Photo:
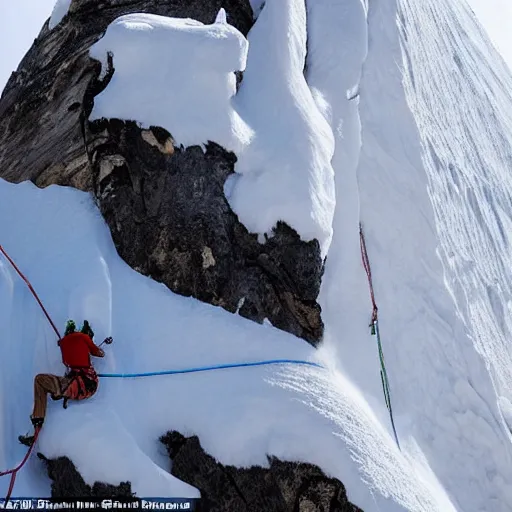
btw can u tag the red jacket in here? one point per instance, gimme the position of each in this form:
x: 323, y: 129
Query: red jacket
x: 76, y: 349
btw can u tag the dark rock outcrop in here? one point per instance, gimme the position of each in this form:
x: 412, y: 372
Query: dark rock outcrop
x: 282, y: 487
x: 170, y: 220
x: 165, y: 206
x: 68, y: 483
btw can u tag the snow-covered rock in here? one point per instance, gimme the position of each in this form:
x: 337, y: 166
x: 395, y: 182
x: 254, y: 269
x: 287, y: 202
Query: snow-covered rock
x: 156, y: 186
x: 395, y: 114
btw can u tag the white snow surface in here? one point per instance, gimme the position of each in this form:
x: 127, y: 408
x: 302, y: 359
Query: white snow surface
x: 175, y: 73
x: 285, y: 174
x: 58, y: 238
x: 424, y: 168
x: 401, y: 119
x: 60, y: 9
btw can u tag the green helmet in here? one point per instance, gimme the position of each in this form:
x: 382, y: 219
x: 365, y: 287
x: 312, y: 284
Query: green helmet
x: 70, y: 327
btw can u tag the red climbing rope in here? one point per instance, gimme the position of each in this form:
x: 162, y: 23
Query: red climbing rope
x: 32, y: 290
x: 14, y: 472
x: 366, y: 264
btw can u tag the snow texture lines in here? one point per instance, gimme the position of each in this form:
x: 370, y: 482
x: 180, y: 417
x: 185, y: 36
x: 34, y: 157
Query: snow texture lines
x: 459, y: 91
x: 467, y: 138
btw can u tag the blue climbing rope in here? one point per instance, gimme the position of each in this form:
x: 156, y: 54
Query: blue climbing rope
x: 208, y: 368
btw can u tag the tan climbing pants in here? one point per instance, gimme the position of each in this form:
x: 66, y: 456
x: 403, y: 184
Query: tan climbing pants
x: 44, y: 384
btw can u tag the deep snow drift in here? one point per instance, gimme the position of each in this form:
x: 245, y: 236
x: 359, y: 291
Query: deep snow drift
x: 285, y: 173
x: 410, y: 105
x: 175, y: 73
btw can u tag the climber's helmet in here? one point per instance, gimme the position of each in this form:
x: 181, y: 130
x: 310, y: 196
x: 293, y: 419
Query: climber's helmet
x: 70, y: 327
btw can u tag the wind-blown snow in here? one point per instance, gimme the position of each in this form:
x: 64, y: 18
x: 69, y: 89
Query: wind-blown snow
x: 60, y: 9
x: 411, y: 201
x: 58, y: 238
x: 467, y: 148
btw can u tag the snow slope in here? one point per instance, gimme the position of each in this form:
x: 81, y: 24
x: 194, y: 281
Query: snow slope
x: 409, y: 104
x: 468, y: 166
x: 430, y: 182
x: 296, y: 413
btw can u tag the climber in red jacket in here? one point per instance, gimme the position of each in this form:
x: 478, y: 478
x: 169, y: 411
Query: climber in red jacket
x: 80, y: 381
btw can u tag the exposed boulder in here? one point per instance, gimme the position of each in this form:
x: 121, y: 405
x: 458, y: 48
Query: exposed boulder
x: 282, y: 487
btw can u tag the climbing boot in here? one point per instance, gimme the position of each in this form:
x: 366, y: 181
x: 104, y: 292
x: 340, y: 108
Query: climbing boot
x: 29, y: 440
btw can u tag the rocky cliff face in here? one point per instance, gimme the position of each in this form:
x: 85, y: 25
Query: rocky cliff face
x: 170, y: 220
x: 165, y: 206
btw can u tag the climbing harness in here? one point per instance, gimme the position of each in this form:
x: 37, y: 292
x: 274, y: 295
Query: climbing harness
x: 374, y: 325
x: 31, y: 289
x: 14, y: 472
